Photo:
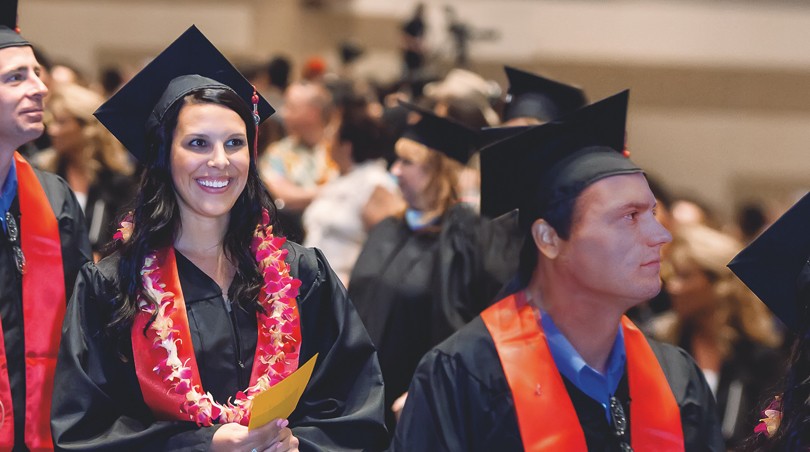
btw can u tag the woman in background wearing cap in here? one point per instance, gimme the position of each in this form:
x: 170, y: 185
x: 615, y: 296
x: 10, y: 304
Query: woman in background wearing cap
x: 716, y: 319
x: 776, y: 267
x: 200, y: 308
x: 421, y: 275
x: 88, y: 157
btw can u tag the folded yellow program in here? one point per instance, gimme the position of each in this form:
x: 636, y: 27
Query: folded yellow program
x: 280, y: 400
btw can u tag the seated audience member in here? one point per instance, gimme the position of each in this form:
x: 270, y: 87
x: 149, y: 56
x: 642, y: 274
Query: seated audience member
x: 334, y: 220
x: 295, y: 167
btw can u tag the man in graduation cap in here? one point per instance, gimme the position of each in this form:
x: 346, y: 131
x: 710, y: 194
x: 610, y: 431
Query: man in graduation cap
x: 776, y: 267
x: 556, y: 366
x: 532, y: 100
x: 43, y: 242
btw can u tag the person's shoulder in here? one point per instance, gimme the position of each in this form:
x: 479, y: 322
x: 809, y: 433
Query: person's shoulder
x: 53, y: 184
x: 682, y: 372
x: 308, y: 265
x: 101, y: 278
x: 471, y: 352
x: 108, y: 266
x: 387, y: 226
x: 471, y: 339
x: 59, y: 195
x: 670, y: 355
x: 462, y: 212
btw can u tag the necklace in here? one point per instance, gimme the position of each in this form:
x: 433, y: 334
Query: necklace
x: 279, y: 336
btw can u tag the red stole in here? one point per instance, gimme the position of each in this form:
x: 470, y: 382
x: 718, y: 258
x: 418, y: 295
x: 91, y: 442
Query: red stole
x: 43, y: 295
x: 546, y: 416
x: 165, y: 404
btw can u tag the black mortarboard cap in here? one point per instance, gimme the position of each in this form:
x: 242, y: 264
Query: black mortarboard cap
x: 491, y: 135
x: 191, y: 62
x: 538, y: 97
x: 775, y: 265
x: 451, y: 138
x: 555, y: 161
x: 8, y: 26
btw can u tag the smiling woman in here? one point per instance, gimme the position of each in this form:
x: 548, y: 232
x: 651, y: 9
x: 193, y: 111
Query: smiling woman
x: 210, y: 159
x: 201, y: 307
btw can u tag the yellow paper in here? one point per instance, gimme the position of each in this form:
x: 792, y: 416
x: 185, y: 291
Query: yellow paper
x: 280, y: 400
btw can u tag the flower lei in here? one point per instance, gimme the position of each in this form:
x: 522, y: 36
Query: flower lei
x: 278, y: 323
x: 773, y: 417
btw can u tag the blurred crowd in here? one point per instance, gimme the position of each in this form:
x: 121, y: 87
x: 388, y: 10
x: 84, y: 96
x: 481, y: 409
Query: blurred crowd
x: 334, y: 162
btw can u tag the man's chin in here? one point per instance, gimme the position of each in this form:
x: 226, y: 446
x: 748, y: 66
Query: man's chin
x: 33, y: 132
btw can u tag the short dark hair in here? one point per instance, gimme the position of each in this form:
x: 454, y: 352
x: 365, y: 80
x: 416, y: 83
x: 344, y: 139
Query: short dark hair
x: 278, y: 70
x: 365, y: 133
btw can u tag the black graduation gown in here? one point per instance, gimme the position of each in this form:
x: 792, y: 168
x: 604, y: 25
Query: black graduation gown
x: 106, y: 199
x: 75, y: 252
x: 459, y: 400
x: 99, y: 406
x: 413, y: 289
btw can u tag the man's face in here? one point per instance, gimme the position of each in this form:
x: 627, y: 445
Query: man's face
x: 300, y: 111
x: 21, y: 96
x: 614, y: 251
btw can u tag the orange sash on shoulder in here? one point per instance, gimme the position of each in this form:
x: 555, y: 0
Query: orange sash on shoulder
x: 163, y: 403
x: 43, y: 301
x: 546, y: 416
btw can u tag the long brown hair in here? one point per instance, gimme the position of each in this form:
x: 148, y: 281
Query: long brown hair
x: 743, y: 315
x: 100, y: 150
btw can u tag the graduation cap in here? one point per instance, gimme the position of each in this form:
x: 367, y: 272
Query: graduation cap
x: 775, y: 265
x: 190, y: 63
x: 491, y: 135
x: 451, y: 138
x: 9, y: 35
x: 538, y: 97
x: 555, y: 161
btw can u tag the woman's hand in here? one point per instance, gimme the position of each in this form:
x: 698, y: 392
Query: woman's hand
x: 273, y: 436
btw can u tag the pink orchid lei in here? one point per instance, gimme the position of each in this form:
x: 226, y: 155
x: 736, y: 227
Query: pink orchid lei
x: 773, y: 417
x: 279, y: 323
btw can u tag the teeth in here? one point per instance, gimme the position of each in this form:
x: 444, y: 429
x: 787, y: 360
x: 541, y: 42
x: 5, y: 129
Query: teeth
x: 213, y: 183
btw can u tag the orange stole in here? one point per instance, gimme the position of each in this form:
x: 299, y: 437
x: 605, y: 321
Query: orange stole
x: 546, y: 416
x: 164, y: 403
x: 44, y: 304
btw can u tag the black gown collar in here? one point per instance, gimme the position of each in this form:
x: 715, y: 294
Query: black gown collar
x: 196, y: 285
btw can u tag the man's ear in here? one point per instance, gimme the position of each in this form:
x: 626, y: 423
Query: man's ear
x: 546, y: 238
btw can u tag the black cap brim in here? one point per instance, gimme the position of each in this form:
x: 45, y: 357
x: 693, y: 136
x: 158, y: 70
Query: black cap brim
x: 534, y: 96
x: 451, y: 138
x: 540, y: 165
x: 491, y: 135
x: 771, y: 265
